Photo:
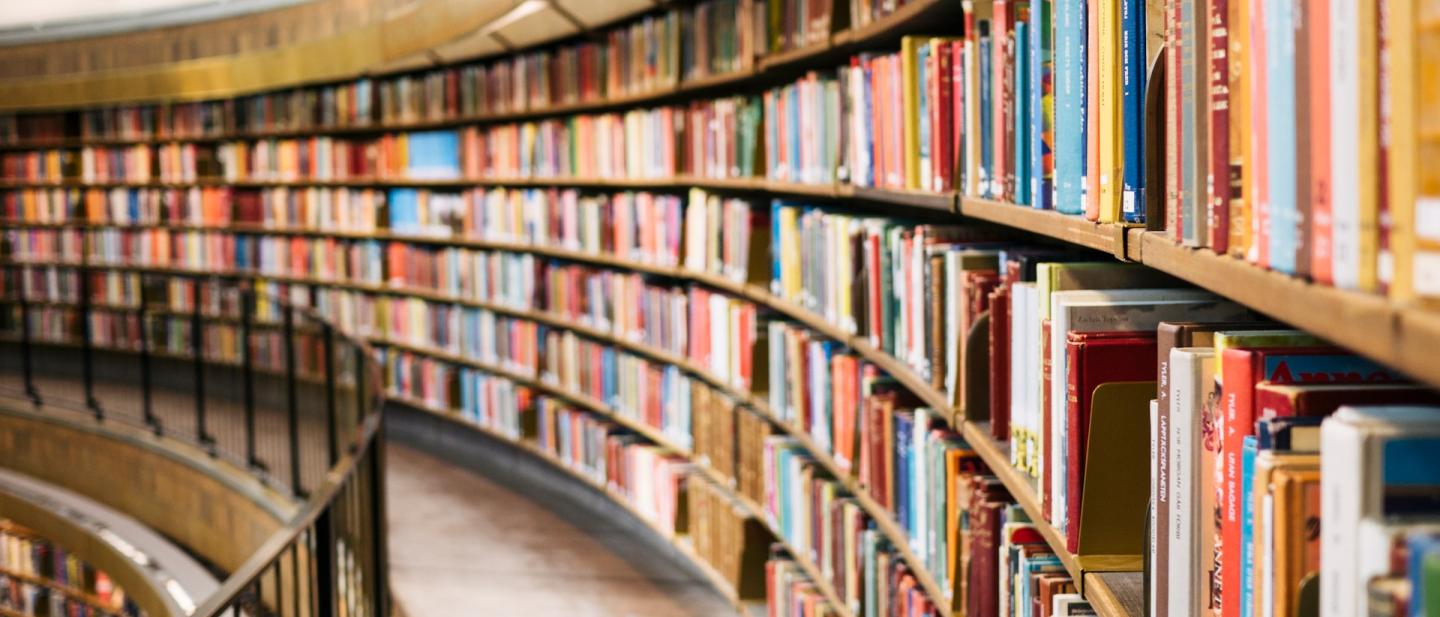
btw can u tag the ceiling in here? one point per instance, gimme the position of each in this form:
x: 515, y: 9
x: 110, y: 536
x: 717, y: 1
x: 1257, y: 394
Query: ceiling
x: 30, y: 21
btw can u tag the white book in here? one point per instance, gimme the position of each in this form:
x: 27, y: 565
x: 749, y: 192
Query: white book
x: 1018, y: 416
x: 1192, y: 369
x: 1151, y: 542
x: 1355, y: 445
x: 1034, y: 382
x: 1111, y: 310
x: 1345, y: 142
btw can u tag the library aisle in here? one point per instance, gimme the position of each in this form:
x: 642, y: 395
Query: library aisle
x: 461, y: 544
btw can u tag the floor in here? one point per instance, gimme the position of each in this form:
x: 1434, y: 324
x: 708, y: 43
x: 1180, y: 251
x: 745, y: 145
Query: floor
x: 461, y: 544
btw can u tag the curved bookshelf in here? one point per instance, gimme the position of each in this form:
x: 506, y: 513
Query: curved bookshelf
x: 1401, y: 336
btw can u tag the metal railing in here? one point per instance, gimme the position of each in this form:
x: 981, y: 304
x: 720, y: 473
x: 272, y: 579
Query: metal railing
x: 270, y: 387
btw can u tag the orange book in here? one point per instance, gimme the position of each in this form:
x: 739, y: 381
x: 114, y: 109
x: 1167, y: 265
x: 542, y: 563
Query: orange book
x: 1320, y: 222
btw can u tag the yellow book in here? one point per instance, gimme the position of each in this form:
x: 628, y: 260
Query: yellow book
x: 1111, y: 126
x: 1414, y: 64
x: 1369, y: 121
x: 1238, y: 55
x: 843, y: 267
x: 910, y: 96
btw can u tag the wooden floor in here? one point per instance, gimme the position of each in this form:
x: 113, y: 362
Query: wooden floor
x: 461, y: 544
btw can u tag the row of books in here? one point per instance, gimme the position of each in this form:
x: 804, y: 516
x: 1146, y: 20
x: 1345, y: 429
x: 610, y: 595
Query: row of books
x: 639, y: 226
x: 28, y: 599
x: 40, y: 577
x: 651, y: 53
x: 1295, y: 139
x: 121, y: 206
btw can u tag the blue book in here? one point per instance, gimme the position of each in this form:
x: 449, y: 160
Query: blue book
x: 820, y: 354
x: 468, y: 407
x: 1070, y: 42
x: 1042, y: 106
x: 987, y: 130
x: 792, y: 112
x: 1280, y: 116
x: 1132, y: 104
x: 1247, y: 527
x: 903, y: 428
x: 433, y: 154
x: 404, y: 210
x: 1022, y: 119
x: 610, y: 394
x: 776, y: 207
x: 1424, y: 548
x: 242, y: 252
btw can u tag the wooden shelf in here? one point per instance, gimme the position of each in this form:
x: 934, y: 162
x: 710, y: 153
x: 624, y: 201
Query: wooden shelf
x: 1106, y: 237
x: 1403, y: 337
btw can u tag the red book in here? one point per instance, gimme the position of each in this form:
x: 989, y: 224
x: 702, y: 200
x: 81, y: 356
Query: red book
x: 942, y: 166
x: 1096, y: 358
x: 1241, y: 369
x: 1002, y: 28
x: 1000, y: 363
x: 1219, y: 183
x: 1289, y: 400
x: 957, y: 107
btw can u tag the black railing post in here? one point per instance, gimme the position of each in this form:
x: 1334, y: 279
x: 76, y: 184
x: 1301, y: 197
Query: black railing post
x: 87, y: 343
x: 331, y: 430
x: 359, y: 393
x: 147, y: 405
x: 324, y: 557
x: 378, y: 531
x: 26, y: 360
x: 291, y: 401
x: 197, y: 346
x: 247, y: 370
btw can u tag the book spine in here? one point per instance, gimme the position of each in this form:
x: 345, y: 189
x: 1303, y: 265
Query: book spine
x: 1022, y: 120
x: 1133, y: 77
x: 1002, y: 29
x: 1247, y: 528
x: 1042, y: 105
x: 1259, y: 133
x: 1074, y: 445
x: 1317, y: 15
x: 1280, y: 140
x: 1069, y: 104
x: 1345, y: 55
x: 1092, y: 109
x: 1174, y: 124
x: 1218, y: 178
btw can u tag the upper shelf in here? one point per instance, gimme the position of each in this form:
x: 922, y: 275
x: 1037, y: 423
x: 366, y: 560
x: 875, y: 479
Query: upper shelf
x: 914, y: 17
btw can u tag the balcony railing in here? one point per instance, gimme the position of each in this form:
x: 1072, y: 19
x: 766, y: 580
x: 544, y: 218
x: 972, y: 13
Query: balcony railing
x: 248, y: 378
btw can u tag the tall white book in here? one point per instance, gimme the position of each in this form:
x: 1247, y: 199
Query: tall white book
x: 1192, y: 370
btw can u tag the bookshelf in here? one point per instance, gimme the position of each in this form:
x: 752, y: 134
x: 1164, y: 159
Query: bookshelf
x: 1399, y: 334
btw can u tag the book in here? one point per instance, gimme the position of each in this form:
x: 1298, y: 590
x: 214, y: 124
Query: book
x: 1379, y: 454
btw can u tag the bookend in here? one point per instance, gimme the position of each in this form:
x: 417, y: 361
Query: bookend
x: 1155, y: 145
x: 1112, y: 506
